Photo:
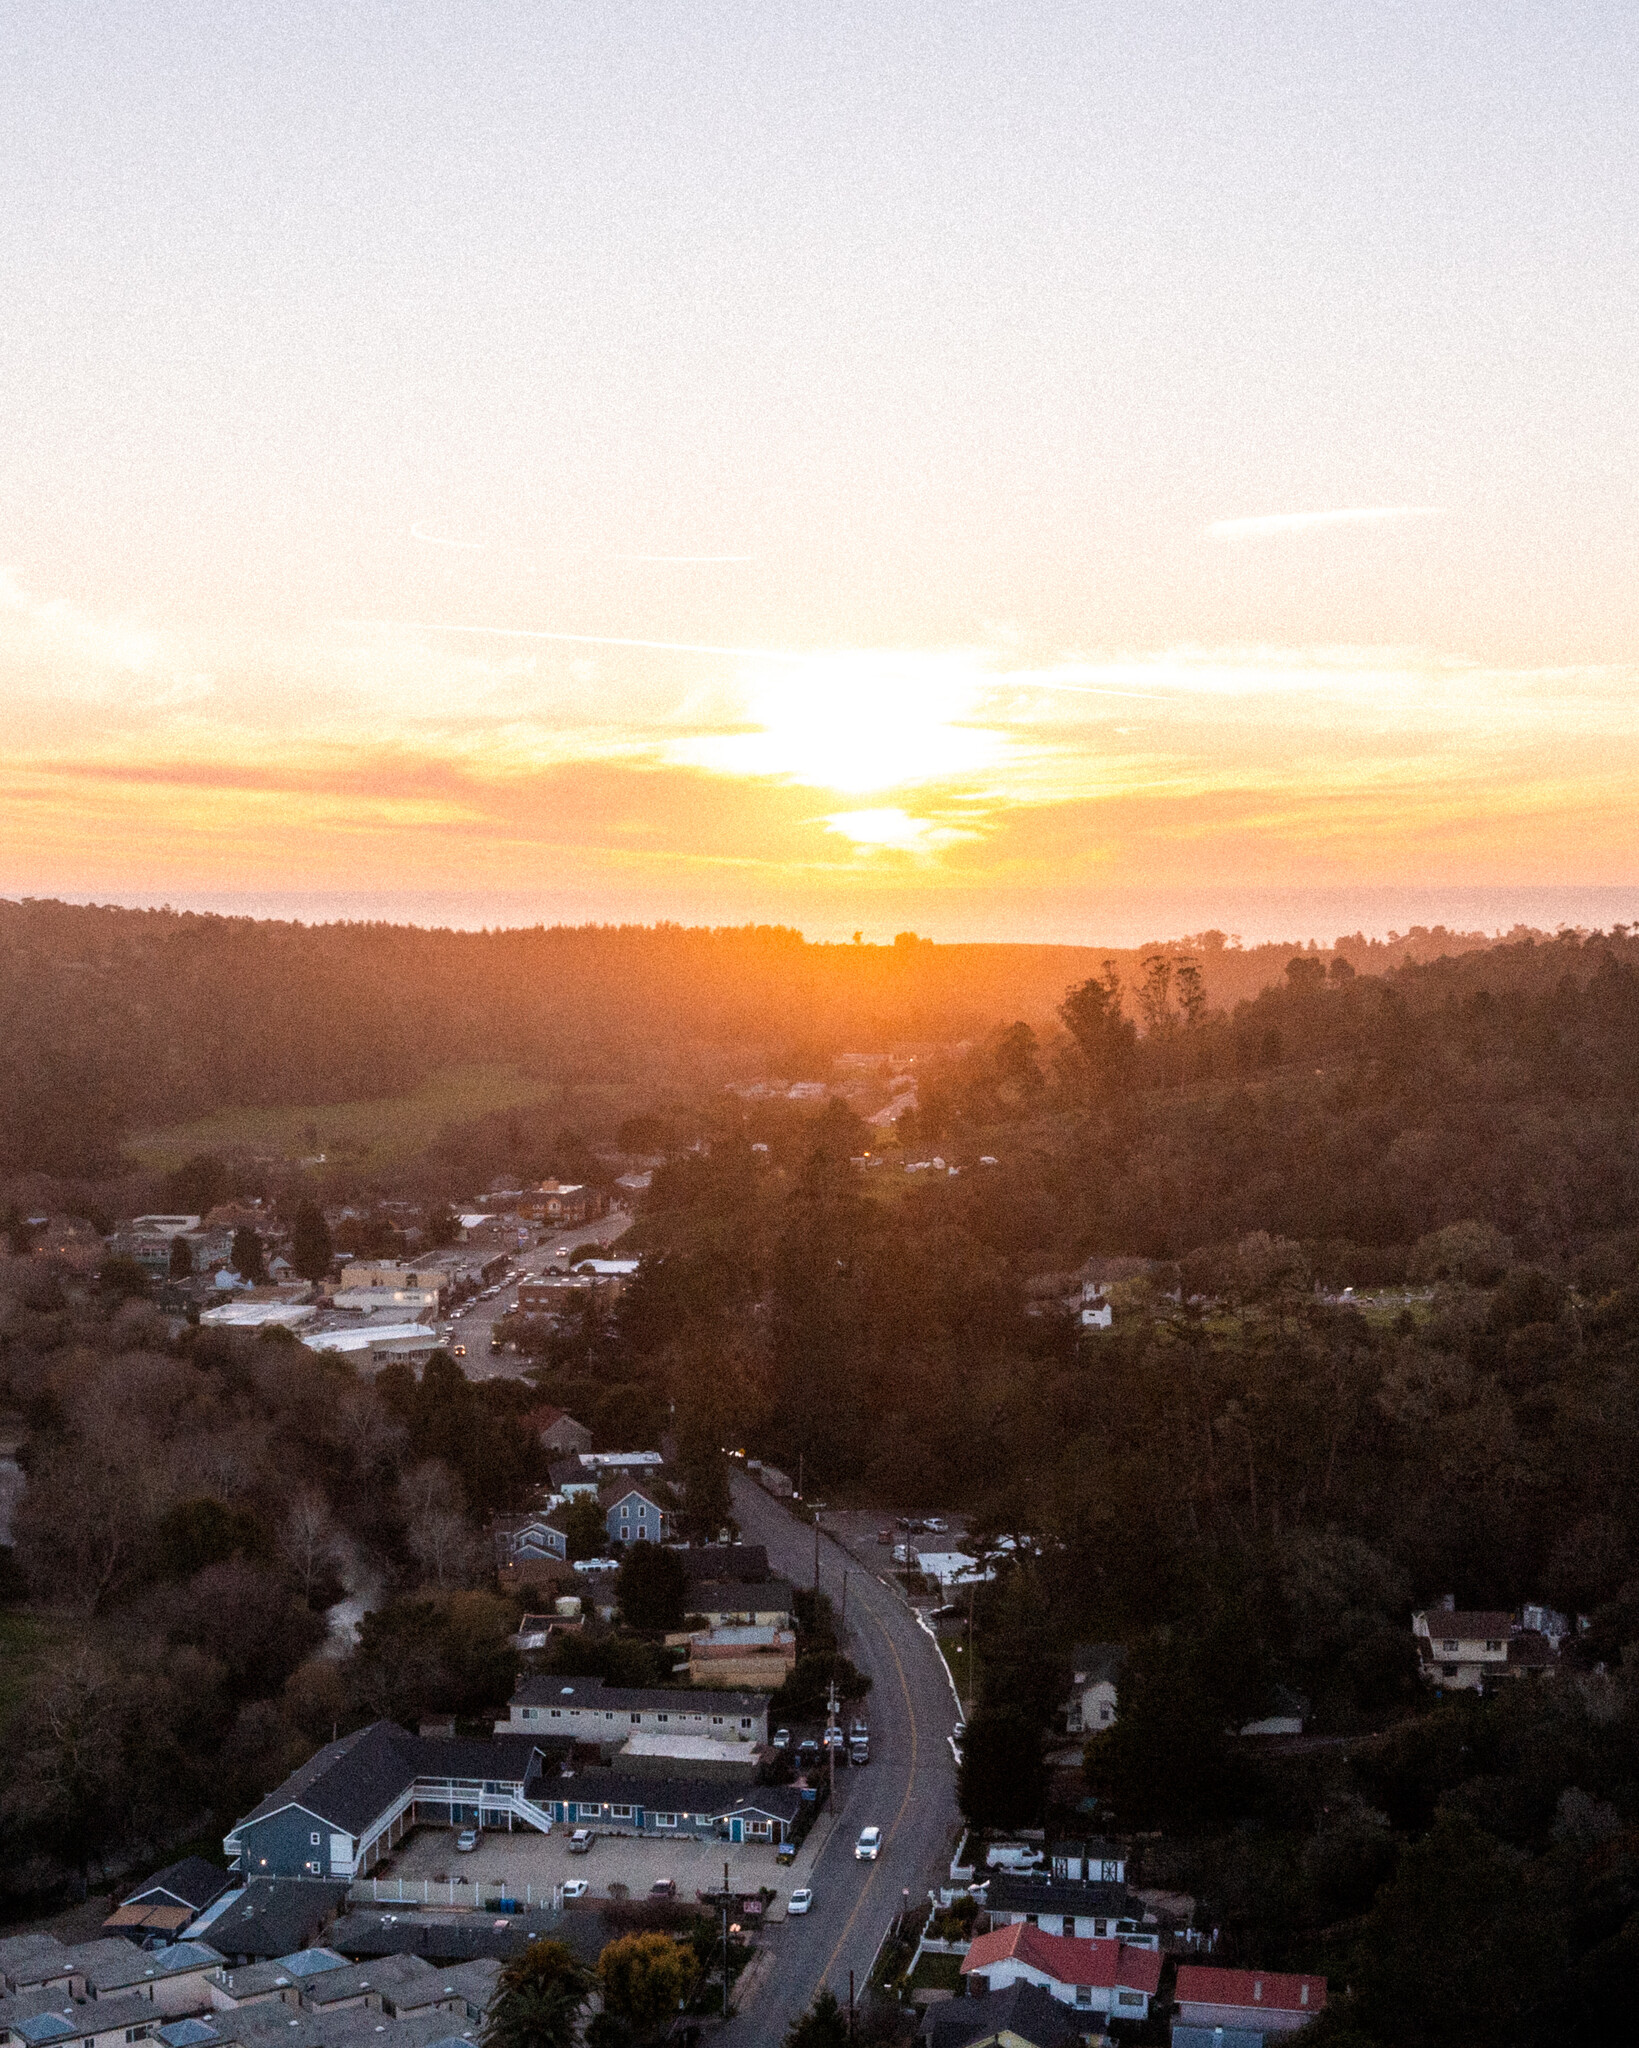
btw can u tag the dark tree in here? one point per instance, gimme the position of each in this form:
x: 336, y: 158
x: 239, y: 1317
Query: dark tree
x: 246, y: 1258
x: 538, y: 1999
x: 823, y: 2025
x: 310, y: 1246
x: 584, y: 1530
x: 1003, y: 1779
x: 1105, y: 1038
x: 651, y: 1587
x: 181, y: 1261
x: 124, y: 1278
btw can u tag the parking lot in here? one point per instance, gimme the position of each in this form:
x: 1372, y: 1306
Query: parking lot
x: 531, y: 1865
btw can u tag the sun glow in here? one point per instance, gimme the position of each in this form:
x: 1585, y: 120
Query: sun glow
x: 857, y: 722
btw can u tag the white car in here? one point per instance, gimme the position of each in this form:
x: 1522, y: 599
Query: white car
x: 799, y: 1901
x: 869, y: 1845
x: 576, y: 1888
x: 935, y: 1526
x: 467, y: 1839
x: 580, y: 1842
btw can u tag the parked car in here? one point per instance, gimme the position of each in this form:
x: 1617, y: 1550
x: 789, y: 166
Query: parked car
x: 1013, y: 1856
x: 936, y: 1525
x: 869, y: 1845
x: 458, y: 1350
x: 576, y: 1888
x: 834, y: 1738
x: 782, y: 1738
x: 884, y: 1535
x: 663, y: 1888
x: 808, y: 1750
x: 467, y: 1839
x: 799, y: 1901
x: 580, y: 1842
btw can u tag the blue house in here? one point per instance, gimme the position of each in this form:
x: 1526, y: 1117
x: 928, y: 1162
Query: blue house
x: 353, y: 1801
x: 632, y: 1516
x: 613, y: 1802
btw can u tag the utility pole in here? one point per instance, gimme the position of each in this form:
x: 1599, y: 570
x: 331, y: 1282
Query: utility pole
x: 830, y: 1731
x: 816, y: 1552
x: 850, y: 2005
x: 842, y: 1626
x: 725, y: 1940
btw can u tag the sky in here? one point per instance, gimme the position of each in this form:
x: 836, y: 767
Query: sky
x: 1044, y: 471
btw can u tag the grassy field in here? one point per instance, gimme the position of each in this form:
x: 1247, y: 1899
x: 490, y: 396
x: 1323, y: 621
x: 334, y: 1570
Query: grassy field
x: 394, y: 1128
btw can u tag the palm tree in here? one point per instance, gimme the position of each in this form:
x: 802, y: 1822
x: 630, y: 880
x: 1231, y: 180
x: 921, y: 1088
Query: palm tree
x: 538, y: 2000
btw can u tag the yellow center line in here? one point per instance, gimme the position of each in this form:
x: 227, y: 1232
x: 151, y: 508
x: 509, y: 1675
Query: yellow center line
x: 904, y: 1686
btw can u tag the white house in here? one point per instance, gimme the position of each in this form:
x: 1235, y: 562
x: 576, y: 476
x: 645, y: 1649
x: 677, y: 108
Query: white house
x: 1107, y: 1977
x: 1094, y: 1672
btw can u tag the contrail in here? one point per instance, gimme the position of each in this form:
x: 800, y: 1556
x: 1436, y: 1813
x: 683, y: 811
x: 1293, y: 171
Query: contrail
x: 439, y: 540
x: 1304, y: 522
x: 735, y: 653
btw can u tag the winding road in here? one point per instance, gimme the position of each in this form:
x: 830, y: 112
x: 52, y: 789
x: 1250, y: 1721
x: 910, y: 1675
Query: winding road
x: 908, y: 1789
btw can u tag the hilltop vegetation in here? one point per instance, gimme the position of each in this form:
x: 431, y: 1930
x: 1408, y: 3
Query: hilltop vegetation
x: 122, y: 1022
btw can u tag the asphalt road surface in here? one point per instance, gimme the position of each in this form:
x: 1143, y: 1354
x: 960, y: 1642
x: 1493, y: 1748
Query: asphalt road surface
x: 473, y: 1327
x: 908, y: 1789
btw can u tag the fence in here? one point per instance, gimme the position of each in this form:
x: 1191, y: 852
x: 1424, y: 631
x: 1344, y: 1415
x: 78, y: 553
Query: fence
x: 464, y: 1894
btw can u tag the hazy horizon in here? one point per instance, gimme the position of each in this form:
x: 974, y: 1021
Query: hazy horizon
x: 1379, y: 915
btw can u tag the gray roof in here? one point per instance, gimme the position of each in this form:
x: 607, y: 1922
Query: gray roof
x: 1097, y: 1848
x: 192, y: 1882
x: 737, y: 1595
x: 400, y: 1979
x: 348, y: 1783
x: 679, y: 1795
x: 1099, y: 1663
x: 106, y: 1969
x: 1012, y: 1891
x: 275, y: 1916
x: 462, y: 1937
x: 626, y: 1699
x: 1215, y: 2037
x: 187, y: 2034
x: 1024, y: 2009
x: 31, y: 1958
x: 746, y: 1563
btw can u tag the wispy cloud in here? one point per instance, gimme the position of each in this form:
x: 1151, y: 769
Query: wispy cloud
x: 1264, y: 524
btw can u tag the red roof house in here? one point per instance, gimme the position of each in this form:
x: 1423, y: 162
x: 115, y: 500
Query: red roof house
x: 1110, y: 1977
x: 1265, y: 2000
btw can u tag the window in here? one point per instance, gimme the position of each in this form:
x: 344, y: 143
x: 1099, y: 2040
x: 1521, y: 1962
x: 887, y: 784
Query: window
x: 1448, y: 1671
x: 746, y: 1721
x: 1131, y: 1997
x: 1084, y: 1994
x: 314, y: 1840
x: 625, y: 1510
x: 1493, y: 1646
x: 557, y: 1713
x: 664, y: 1820
x: 1448, y: 1645
x: 621, y: 1812
x: 1069, y: 1924
x: 717, y: 1720
x: 637, y: 1720
x: 662, y: 1717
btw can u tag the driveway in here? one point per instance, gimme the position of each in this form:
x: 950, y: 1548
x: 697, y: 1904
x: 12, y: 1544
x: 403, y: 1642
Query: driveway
x: 908, y: 1789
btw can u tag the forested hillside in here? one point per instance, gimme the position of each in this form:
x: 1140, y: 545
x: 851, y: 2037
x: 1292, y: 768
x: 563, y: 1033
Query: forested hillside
x: 115, y: 1020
